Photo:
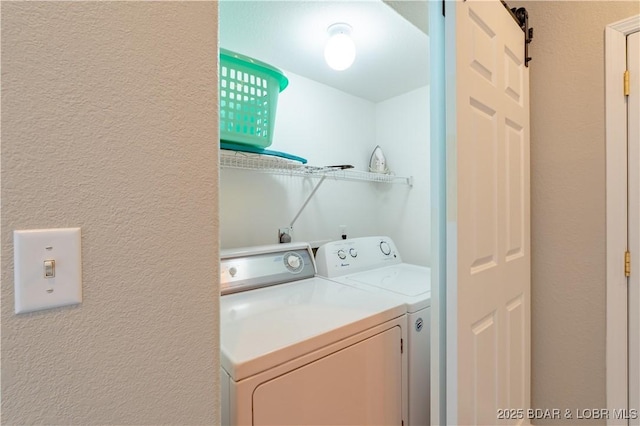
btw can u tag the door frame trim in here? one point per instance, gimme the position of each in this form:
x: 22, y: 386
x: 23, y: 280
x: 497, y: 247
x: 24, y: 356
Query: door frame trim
x: 616, y: 211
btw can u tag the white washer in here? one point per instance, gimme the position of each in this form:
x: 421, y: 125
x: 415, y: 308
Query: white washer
x: 299, y: 349
x: 374, y: 264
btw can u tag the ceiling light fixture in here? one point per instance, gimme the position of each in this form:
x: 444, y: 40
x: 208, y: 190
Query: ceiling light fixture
x: 340, y: 51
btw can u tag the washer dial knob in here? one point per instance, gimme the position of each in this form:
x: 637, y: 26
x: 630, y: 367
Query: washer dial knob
x: 341, y: 254
x: 353, y: 252
x: 293, y: 262
x: 385, y: 248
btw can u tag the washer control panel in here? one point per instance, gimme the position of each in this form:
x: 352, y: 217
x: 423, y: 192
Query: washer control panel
x: 254, y: 267
x: 344, y: 257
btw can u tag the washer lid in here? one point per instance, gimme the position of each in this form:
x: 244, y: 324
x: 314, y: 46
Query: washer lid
x: 410, y: 284
x: 269, y: 326
x: 404, y: 279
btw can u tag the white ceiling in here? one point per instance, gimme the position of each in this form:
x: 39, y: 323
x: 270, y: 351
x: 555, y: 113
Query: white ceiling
x: 392, y: 55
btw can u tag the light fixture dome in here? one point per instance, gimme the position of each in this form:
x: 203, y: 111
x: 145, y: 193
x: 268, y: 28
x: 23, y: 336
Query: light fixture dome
x: 340, y: 51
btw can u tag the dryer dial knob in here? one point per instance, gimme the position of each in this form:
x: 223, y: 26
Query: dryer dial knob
x: 353, y: 252
x: 341, y: 254
x: 385, y: 248
x: 293, y: 262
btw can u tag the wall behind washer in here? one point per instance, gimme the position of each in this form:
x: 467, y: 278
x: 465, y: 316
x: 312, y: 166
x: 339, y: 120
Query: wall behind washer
x: 109, y: 123
x: 402, y: 130
x: 329, y: 127
x: 568, y: 201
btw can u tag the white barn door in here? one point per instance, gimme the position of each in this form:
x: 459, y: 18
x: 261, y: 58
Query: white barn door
x: 488, y: 222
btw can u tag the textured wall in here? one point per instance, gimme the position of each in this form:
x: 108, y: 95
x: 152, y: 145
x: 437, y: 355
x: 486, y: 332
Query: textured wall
x: 568, y: 201
x: 109, y: 123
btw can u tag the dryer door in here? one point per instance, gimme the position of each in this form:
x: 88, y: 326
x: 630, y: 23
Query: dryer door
x: 358, y: 385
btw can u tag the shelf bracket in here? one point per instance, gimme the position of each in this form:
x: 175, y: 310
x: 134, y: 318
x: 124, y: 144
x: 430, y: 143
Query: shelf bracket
x: 307, y: 201
x: 285, y: 234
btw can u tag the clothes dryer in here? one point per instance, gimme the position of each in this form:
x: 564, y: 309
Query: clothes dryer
x: 374, y: 264
x: 298, y: 349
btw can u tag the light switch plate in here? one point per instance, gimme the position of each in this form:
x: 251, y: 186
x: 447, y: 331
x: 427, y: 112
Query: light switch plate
x: 32, y: 248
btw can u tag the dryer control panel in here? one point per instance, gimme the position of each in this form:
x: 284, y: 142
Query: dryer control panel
x: 254, y: 267
x: 344, y: 257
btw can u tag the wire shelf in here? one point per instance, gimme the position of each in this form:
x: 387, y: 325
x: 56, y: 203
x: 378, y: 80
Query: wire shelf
x: 280, y: 166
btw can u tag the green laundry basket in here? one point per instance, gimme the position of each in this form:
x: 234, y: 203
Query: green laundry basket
x: 249, y: 92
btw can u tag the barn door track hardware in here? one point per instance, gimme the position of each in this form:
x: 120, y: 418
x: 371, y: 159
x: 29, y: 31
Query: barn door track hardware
x: 522, y: 18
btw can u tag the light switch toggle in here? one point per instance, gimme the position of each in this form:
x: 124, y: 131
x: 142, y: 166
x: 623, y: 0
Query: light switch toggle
x: 49, y: 268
